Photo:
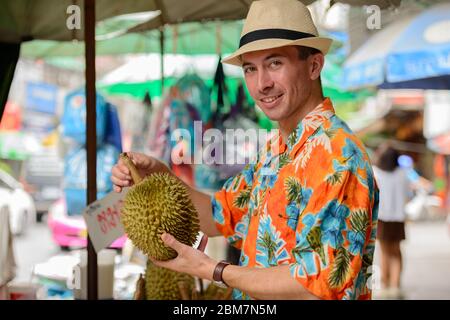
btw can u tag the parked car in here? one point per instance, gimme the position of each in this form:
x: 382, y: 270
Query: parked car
x: 70, y: 232
x: 20, y: 203
x: 43, y: 174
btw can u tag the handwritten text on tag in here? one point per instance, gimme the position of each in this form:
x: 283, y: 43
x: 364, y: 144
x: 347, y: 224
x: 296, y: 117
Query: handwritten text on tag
x: 102, y: 219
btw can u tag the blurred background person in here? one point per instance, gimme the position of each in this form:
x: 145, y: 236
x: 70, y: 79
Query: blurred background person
x: 393, y: 183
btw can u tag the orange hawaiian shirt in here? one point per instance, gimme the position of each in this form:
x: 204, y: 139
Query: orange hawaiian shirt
x: 312, y: 203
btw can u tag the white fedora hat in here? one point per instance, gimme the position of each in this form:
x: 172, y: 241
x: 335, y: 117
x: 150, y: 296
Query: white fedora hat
x: 277, y: 23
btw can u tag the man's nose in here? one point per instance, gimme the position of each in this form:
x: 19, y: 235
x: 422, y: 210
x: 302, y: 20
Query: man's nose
x: 265, y: 81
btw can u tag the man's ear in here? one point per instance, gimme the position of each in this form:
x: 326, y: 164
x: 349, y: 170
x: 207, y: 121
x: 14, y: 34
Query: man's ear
x: 316, y: 62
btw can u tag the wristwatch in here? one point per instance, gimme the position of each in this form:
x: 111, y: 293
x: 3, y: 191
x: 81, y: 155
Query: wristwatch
x: 217, y: 274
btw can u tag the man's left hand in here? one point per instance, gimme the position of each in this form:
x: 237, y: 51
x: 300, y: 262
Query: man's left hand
x: 189, y: 260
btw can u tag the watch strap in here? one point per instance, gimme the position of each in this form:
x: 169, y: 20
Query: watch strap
x: 218, y: 271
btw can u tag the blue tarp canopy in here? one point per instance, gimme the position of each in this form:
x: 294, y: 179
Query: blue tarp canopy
x: 413, y: 48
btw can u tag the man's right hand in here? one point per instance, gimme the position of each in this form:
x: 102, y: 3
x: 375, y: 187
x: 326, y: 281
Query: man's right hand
x: 121, y: 176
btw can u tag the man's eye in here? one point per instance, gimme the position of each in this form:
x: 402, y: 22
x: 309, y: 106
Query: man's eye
x: 249, y: 69
x: 275, y: 63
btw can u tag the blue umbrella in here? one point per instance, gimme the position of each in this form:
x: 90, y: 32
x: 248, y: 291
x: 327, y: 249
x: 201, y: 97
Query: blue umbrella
x: 411, y: 49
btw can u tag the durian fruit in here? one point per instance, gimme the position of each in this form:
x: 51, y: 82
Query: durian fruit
x: 160, y: 203
x: 214, y: 292
x: 165, y: 284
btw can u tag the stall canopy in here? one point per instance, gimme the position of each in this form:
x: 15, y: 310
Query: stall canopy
x: 175, y: 11
x: 406, y: 51
x: 187, y: 38
x: 24, y: 20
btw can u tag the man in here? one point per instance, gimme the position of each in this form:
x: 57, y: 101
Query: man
x: 304, y: 213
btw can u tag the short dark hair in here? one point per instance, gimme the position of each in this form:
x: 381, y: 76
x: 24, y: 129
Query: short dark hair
x: 386, y: 157
x: 305, y: 52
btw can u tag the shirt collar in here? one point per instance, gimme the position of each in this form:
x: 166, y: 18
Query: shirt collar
x: 305, y: 128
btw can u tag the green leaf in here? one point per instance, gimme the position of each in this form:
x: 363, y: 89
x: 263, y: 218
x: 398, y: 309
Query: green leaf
x: 299, y: 250
x: 237, y: 181
x: 293, y: 138
x: 243, y: 198
x: 314, y: 239
x: 335, y: 178
x: 270, y: 245
x: 256, y: 204
x: 340, y: 269
x: 293, y: 188
x: 367, y: 261
x: 284, y: 159
x: 359, y: 221
x: 330, y: 132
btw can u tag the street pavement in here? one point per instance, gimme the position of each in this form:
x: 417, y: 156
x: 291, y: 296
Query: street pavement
x: 426, y: 261
x: 33, y: 247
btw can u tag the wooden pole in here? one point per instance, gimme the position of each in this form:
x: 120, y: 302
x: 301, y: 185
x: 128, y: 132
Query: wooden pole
x: 91, y: 137
x: 161, y: 44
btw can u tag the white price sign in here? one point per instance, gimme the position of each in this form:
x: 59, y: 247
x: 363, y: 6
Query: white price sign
x: 102, y: 219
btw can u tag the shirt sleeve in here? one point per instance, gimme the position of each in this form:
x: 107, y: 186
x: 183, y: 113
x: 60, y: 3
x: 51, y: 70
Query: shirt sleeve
x: 230, y: 206
x: 336, y: 237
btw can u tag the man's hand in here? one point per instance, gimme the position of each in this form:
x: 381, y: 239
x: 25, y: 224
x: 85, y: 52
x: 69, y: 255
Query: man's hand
x: 146, y: 165
x: 189, y: 260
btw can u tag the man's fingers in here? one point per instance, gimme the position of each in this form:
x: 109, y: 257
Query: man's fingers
x: 121, y: 171
x: 140, y: 160
x: 170, y: 241
x: 135, y: 157
x: 203, y: 243
x: 117, y: 189
x: 119, y: 182
x: 120, y: 176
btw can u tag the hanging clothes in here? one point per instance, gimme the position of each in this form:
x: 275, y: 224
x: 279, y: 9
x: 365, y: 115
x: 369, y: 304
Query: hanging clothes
x: 189, y: 102
x: 228, y: 115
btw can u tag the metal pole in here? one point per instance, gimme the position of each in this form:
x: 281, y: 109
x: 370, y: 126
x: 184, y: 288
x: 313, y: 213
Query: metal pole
x: 161, y: 46
x: 91, y: 136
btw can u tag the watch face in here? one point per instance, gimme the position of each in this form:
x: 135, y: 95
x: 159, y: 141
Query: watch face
x: 220, y: 284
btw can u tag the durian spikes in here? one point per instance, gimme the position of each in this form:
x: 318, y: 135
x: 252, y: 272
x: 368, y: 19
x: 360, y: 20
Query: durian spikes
x: 130, y: 165
x: 160, y: 203
x: 165, y: 284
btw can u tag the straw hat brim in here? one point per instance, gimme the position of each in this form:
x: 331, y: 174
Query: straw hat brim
x: 320, y: 43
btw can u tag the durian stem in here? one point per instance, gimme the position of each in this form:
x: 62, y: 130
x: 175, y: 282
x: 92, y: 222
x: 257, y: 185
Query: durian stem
x: 130, y: 165
x: 200, y: 282
x: 139, y: 294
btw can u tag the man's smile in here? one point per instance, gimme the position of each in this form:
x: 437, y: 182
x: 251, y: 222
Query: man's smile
x: 271, y: 101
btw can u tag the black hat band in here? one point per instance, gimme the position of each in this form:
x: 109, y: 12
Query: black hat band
x: 273, y: 34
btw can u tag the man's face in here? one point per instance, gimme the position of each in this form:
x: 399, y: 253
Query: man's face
x: 279, y: 82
